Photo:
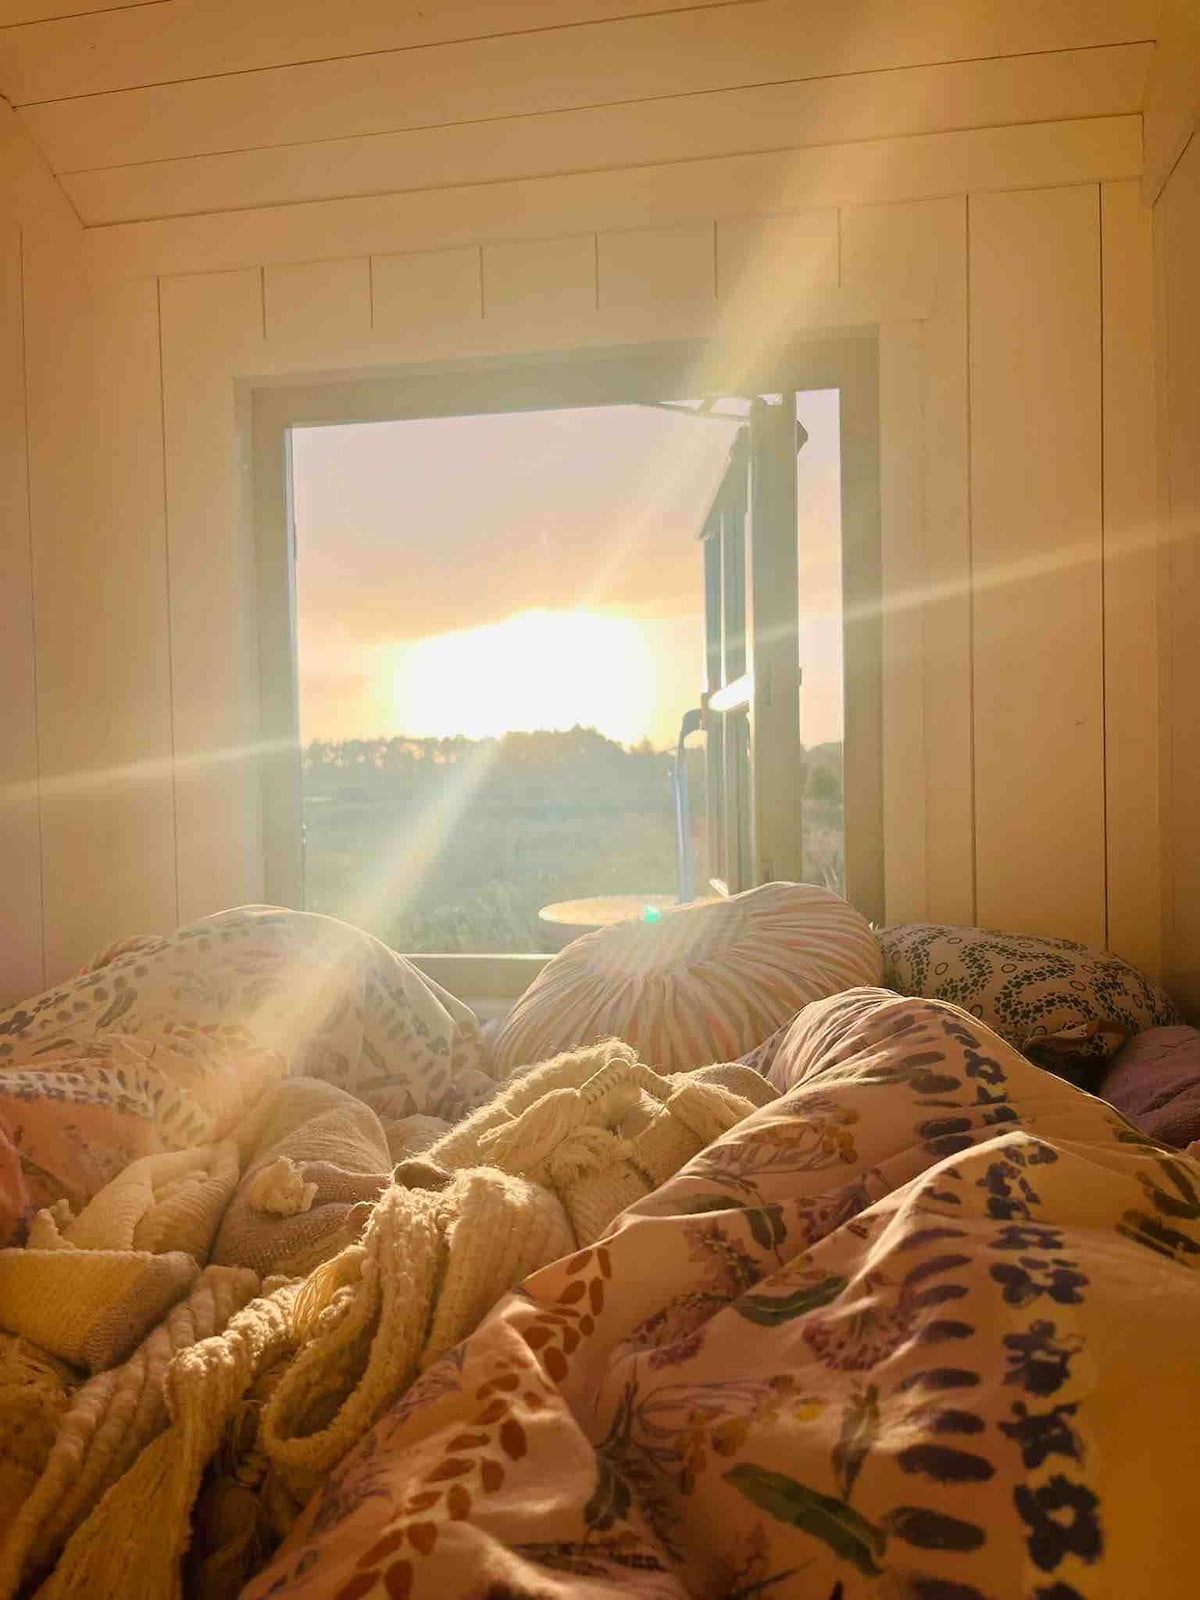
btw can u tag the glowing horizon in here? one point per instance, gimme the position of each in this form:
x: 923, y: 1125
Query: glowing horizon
x: 426, y: 549
x: 538, y: 670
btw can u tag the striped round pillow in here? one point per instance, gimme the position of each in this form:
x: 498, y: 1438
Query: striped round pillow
x: 702, y: 983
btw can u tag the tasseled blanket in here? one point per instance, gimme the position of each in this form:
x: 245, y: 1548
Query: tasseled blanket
x: 257, y: 1399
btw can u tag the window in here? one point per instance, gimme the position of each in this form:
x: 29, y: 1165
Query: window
x: 534, y: 636
x: 499, y: 630
x: 822, y: 680
x: 774, y: 719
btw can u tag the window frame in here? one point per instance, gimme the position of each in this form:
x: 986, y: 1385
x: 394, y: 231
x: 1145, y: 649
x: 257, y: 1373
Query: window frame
x: 846, y: 361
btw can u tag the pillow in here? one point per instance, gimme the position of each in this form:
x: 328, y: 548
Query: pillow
x: 1064, y: 1004
x: 702, y: 983
x: 1155, y: 1082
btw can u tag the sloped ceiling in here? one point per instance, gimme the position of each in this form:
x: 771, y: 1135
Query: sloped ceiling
x: 162, y: 108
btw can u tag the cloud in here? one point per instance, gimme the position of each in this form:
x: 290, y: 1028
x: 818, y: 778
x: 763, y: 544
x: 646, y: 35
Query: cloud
x: 409, y: 530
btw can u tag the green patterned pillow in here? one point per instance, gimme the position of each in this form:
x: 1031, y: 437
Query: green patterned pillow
x: 1064, y: 1004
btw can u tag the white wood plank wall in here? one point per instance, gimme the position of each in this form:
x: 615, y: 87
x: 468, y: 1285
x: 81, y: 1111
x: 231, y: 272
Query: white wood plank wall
x: 991, y: 771
x: 54, y: 806
x: 982, y: 213
x: 1177, y: 259
x: 135, y: 597
x: 1130, y: 578
x: 20, y: 822
x: 1037, y: 659
x: 214, y: 653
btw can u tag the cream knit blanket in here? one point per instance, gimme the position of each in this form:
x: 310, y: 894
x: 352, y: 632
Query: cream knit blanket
x: 108, y: 1422
x: 544, y: 1167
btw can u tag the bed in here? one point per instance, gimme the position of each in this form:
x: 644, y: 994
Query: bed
x: 881, y: 1308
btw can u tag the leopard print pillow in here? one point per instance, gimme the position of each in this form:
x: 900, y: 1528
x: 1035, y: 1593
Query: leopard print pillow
x: 1065, y: 1005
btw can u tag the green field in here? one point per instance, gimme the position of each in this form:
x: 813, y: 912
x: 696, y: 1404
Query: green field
x: 454, y: 845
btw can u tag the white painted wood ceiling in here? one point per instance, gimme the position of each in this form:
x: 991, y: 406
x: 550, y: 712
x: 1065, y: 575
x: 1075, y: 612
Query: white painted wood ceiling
x: 168, y: 108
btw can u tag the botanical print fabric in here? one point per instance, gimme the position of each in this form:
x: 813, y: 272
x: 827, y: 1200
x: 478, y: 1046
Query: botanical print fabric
x: 1066, y: 1005
x: 922, y: 1329
x: 167, y: 1044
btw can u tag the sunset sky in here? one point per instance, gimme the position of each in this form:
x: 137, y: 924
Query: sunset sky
x: 533, y: 570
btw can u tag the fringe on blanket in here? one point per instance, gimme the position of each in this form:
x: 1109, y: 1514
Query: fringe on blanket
x: 298, y: 1375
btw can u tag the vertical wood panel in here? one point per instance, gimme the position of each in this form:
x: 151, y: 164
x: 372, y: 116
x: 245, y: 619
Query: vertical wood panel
x: 317, y: 304
x: 21, y: 969
x: 916, y: 252
x: 946, y: 607
x: 1177, y: 233
x: 1130, y: 579
x: 541, y: 281
x: 902, y: 581
x: 131, y: 517
x: 77, y: 874
x: 649, y: 268
x: 428, y: 286
x: 891, y: 251
x: 1162, y: 506
x: 54, y: 370
x: 1035, y: 510
x: 862, y: 754
x: 777, y: 259
x: 212, y: 329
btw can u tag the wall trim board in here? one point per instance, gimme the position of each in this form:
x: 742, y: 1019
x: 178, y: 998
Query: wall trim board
x: 846, y: 315
x: 924, y: 166
x: 519, y: 380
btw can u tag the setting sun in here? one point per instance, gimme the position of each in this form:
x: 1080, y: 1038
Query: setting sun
x: 537, y: 669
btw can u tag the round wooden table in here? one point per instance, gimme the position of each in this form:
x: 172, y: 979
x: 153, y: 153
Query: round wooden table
x: 568, y: 919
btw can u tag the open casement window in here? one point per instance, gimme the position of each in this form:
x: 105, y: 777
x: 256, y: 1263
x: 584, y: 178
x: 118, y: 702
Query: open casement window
x: 758, y: 534
x: 750, y: 709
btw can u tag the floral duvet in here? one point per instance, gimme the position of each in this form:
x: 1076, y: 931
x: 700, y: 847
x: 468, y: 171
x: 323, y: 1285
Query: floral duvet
x: 925, y: 1328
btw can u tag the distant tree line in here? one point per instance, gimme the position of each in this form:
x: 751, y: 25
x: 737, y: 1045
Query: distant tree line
x: 516, y: 823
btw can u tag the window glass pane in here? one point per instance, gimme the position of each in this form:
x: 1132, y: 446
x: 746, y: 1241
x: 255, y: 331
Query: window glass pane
x: 819, y: 517
x: 500, y: 626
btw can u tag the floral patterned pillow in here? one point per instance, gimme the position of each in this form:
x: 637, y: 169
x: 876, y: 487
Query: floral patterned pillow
x: 1063, y: 1004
